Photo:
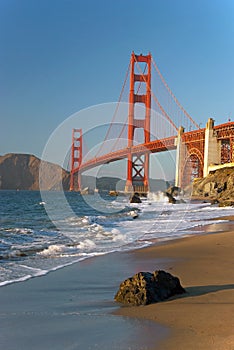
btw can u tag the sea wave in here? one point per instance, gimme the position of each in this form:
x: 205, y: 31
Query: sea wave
x: 32, y: 249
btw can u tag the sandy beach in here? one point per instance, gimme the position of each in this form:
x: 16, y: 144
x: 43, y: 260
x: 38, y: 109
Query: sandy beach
x: 203, y: 318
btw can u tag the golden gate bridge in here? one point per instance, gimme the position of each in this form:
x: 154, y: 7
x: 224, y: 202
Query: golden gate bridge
x: 155, y: 122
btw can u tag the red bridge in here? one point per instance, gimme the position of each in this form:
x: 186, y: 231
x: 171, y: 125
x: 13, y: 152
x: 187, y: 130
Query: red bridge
x: 164, y: 125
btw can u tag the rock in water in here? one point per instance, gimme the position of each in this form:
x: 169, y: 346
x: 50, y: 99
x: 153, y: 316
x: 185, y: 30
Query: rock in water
x: 171, y: 192
x: 171, y: 199
x: 135, y: 198
x: 174, y: 190
x: 146, y: 288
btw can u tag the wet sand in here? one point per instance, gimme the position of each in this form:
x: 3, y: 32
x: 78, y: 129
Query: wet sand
x: 72, y: 309
x: 203, y: 318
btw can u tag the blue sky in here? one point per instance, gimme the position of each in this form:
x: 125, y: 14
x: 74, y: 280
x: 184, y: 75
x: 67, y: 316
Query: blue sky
x: 60, y: 56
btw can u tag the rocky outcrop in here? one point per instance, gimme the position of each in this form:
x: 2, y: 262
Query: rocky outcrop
x: 21, y: 172
x: 217, y: 187
x: 146, y: 288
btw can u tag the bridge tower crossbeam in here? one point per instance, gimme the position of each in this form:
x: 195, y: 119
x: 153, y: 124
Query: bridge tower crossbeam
x: 138, y: 166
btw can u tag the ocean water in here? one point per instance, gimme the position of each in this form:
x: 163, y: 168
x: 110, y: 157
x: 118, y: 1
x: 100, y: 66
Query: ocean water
x: 41, y: 232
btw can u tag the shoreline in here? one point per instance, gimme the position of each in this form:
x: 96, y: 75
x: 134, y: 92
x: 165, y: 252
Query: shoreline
x: 79, y: 298
x: 203, y: 317
x: 73, y: 308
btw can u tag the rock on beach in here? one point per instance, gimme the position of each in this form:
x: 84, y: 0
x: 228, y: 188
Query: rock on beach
x: 146, y: 288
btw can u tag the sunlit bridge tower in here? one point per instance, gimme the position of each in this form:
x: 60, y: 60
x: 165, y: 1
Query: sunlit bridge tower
x: 76, y: 159
x: 138, y: 165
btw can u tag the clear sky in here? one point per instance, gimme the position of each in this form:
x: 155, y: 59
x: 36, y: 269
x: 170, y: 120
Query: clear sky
x: 60, y: 56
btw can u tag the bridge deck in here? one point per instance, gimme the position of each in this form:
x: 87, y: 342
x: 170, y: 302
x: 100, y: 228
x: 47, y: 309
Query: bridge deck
x: 222, y: 131
x: 155, y: 146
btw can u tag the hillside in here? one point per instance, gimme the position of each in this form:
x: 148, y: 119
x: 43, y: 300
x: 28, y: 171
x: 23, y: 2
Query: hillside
x: 21, y: 171
x: 218, y: 186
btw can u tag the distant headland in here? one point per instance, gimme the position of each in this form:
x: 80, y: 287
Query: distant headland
x: 21, y: 172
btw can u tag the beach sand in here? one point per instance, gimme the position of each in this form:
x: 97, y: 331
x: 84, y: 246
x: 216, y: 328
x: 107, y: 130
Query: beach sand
x: 203, y: 318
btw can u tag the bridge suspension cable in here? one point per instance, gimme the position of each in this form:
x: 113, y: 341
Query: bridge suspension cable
x: 124, y: 126
x: 161, y: 108
x: 155, y: 98
x: 115, y: 112
x: 173, y: 96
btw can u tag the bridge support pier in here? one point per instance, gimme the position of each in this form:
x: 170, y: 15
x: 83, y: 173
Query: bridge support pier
x: 212, y: 150
x: 129, y: 187
x: 180, y: 155
x: 198, y: 150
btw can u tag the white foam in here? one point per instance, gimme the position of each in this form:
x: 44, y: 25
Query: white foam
x: 86, y: 244
x: 21, y: 279
x: 53, y: 250
x: 85, y: 220
x: 119, y: 237
x: 157, y: 197
x: 19, y: 230
x: 115, y: 231
x: 133, y: 214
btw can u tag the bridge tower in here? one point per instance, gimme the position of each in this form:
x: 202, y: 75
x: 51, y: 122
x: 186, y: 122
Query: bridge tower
x: 138, y: 165
x: 76, y: 159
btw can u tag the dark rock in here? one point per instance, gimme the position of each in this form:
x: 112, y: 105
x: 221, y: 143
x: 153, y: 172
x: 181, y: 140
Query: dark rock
x: 146, y: 288
x: 135, y: 198
x: 173, y: 190
x: 171, y: 199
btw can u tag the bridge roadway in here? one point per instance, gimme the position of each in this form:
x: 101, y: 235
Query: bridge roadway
x: 192, y: 139
x: 155, y: 146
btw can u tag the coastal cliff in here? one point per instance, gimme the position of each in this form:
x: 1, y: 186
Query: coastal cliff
x: 21, y: 172
x: 218, y: 186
